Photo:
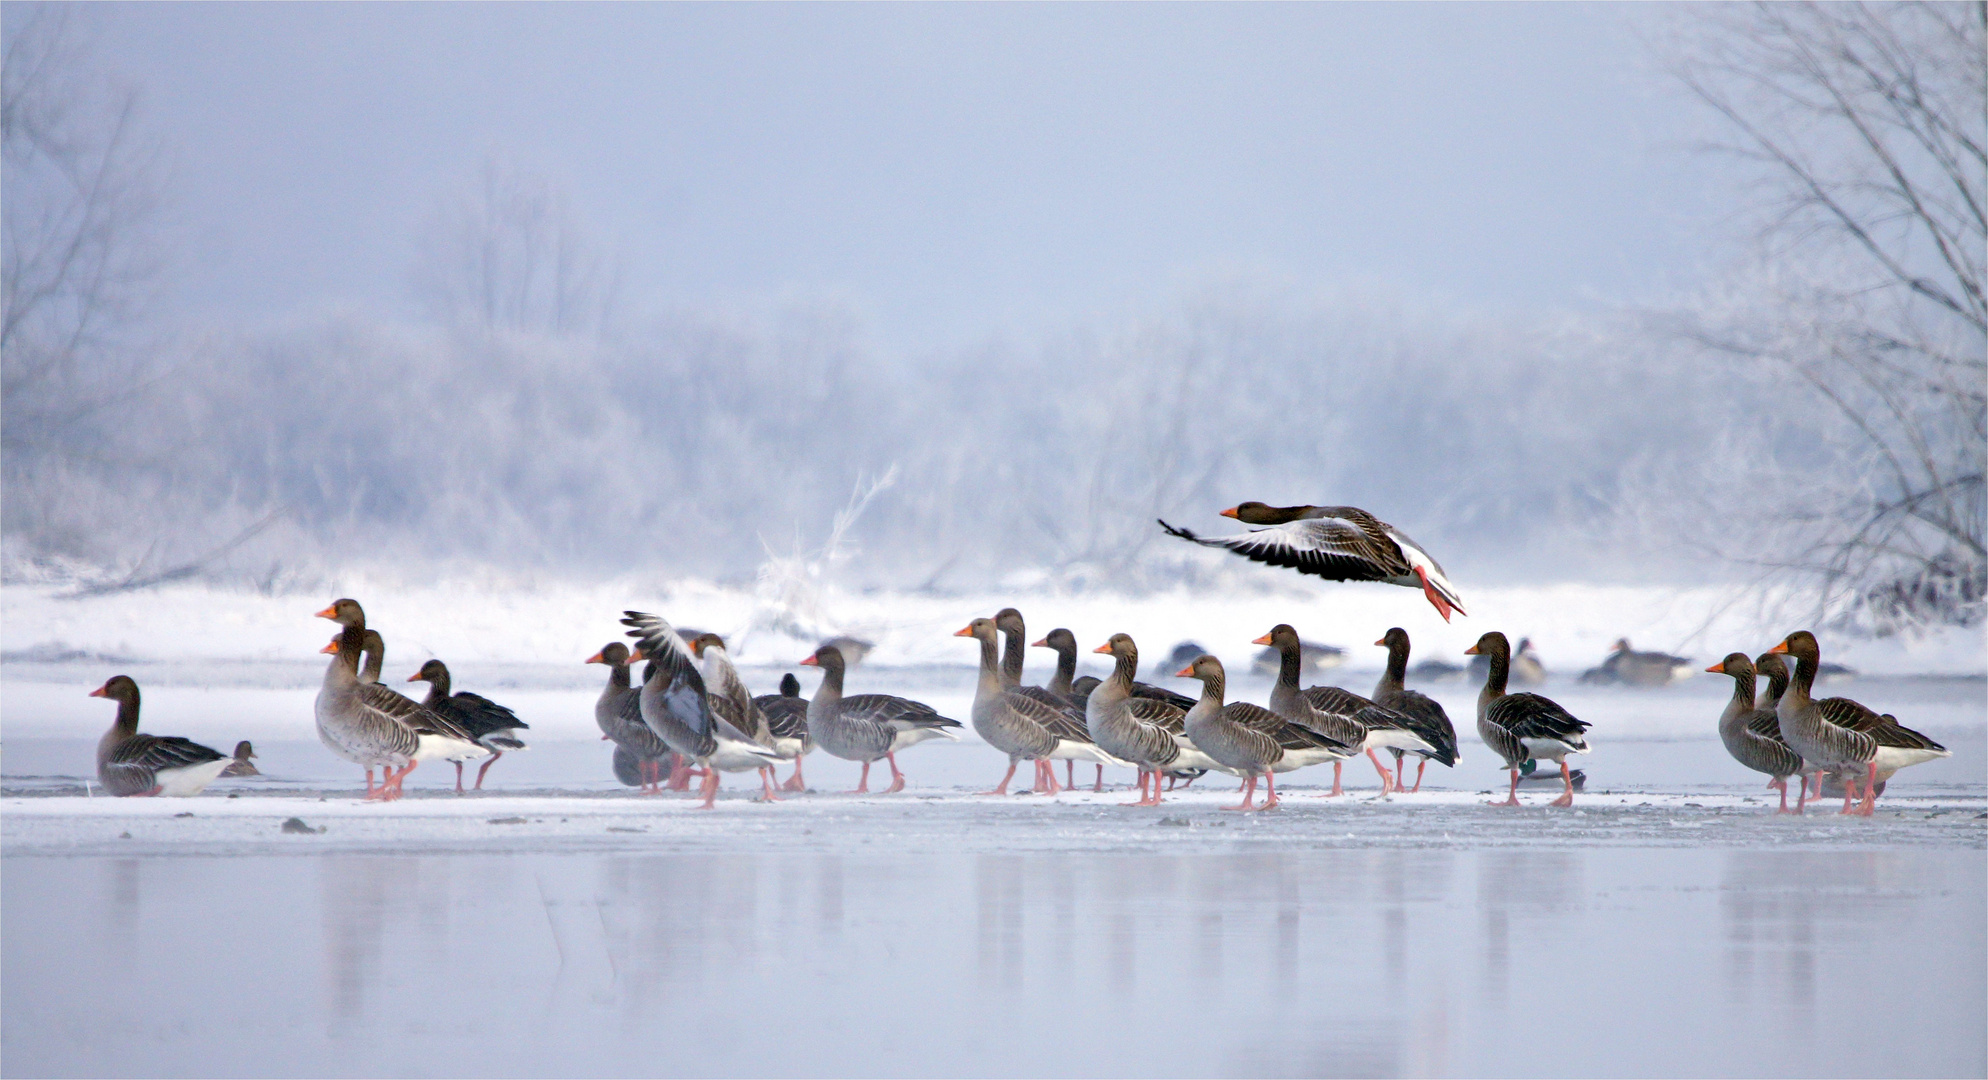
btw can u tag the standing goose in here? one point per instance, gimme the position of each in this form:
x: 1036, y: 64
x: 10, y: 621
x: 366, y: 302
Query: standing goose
x: 787, y: 719
x: 243, y: 763
x: 1066, y: 718
x: 494, y: 727
x: 1149, y: 734
x: 129, y: 763
x: 730, y: 699
x: 1249, y: 738
x: 866, y: 727
x: 455, y: 745
x: 1526, y: 667
x: 1519, y: 727
x: 1338, y: 543
x: 1392, y: 693
x: 676, y: 705
x: 369, y: 724
x: 1343, y: 717
x: 618, y: 712
x: 1752, y: 734
x: 1840, y: 735
x: 1062, y: 685
x: 1016, y: 724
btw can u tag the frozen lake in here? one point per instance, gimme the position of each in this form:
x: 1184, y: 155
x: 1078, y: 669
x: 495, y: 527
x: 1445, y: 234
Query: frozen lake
x: 559, y: 923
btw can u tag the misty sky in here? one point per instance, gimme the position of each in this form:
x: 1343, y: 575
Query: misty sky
x: 945, y: 172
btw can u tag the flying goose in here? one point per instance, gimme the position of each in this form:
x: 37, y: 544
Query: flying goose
x: 1338, y: 543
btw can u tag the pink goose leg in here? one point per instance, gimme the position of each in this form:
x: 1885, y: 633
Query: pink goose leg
x: 1248, y: 794
x: 494, y: 755
x: 1513, y: 800
x: 1387, y: 779
x: 766, y: 784
x: 863, y: 785
x: 1335, y: 780
x: 794, y: 782
x: 896, y: 776
x: 1270, y: 781
x: 1002, y: 787
x: 1566, y: 797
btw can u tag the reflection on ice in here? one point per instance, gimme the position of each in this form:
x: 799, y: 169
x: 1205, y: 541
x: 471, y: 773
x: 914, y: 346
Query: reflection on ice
x: 1346, y: 962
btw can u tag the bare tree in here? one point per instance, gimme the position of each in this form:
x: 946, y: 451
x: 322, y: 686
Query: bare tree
x: 510, y: 255
x: 79, y: 258
x: 1866, y: 123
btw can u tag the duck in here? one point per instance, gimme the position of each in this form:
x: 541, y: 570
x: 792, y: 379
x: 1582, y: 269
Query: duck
x: 371, y: 725
x: 1073, y: 738
x: 1392, y: 693
x: 787, y: 718
x: 1340, y: 715
x: 1752, y: 734
x: 1842, y: 736
x: 1249, y: 738
x: 618, y: 713
x: 1524, y: 726
x: 730, y: 699
x: 1338, y: 543
x: 867, y: 727
x: 1016, y: 724
x: 677, y: 705
x: 494, y: 727
x: 243, y: 763
x: 1148, y: 733
x: 130, y: 762
x: 1632, y: 668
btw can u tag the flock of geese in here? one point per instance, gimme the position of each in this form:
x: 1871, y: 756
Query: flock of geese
x: 692, y: 717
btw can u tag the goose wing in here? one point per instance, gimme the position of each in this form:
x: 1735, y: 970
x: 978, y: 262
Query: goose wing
x: 1161, y: 714
x: 1054, y: 711
x: 734, y: 716
x: 902, y: 714
x: 1154, y: 693
x: 1335, y: 548
x: 1530, y: 716
x: 1429, y: 721
x: 1287, y: 735
x: 156, y: 752
x: 786, y: 717
x: 682, y: 688
x: 481, y: 716
x: 384, y: 703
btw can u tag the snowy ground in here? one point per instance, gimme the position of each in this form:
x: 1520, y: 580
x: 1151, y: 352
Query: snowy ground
x: 558, y: 923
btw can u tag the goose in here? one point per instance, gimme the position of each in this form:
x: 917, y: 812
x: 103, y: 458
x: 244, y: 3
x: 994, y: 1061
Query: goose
x: 130, y: 763
x: 494, y: 727
x: 1753, y: 735
x: 1249, y: 738
x: 367, y: 723
x: 1080, y: 692
x: 1523, y: 727
x: 866, y: 727
x: 1840, y: 735
x: 677, y: 705
x: 243, y: 763
x: 1628, y: 666
x: 1066, y: 721
x: 1526, y: 668
x: 1338, y: 543
x: 431, y: 745
x: 1392, y: 693
x: 1062, y: 684
x: 1016, y: 724
x: 1772, y: 667
x: 1148, y: 733
x: 787, y: 718
x: 618, y: 712
x: 1340, y: 715
x: 730, y: 699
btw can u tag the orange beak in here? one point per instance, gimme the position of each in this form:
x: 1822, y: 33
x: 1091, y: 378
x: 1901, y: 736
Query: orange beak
x: 1264, y: 640
x: 1781, y: 648
x: 810, y: 662
x: 1185, y: 673
x: 99, y: 691
x: 331, y: 648
x: 416, y: 677
x: 596, y: 659
x: 638, y: 655
x: 1229, y: 513
x: 1382, y: 641
x: 1106, y: 647
x: 1472, y: 651
x: 964, y: 631
x: 1718, y: 668
x: 1043, y: 644
x: 329, y: 613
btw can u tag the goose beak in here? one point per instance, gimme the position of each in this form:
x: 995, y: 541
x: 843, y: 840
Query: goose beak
x: 964, y: 631
x: 1106, y: 647
x: 1264, y: 640
x: 637, y: 656
x: 1382, y: 641
x: 1185, y: 673
x: 416, y: 677
x: 329, y: 613
x: 330, y: 648
x: 1043, y: 644
x: 810, y: 662
x: 1718, y: 668
x: 1229, y: 513
x: 1781, y: 648
x: 596, y: 659
x: 1472, y: 651
x: 99, y: 691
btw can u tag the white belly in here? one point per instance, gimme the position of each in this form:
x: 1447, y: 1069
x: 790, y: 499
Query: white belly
x: 443, y: 748
x: 737, y: 757
x: 1395, y: 737
x: 1549, y: 749
x: 1890, y: 759
x: 190, y: 779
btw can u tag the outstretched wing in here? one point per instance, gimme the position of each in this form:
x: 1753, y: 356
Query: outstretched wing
x: 1334, y: 548
x: 680, y: 687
